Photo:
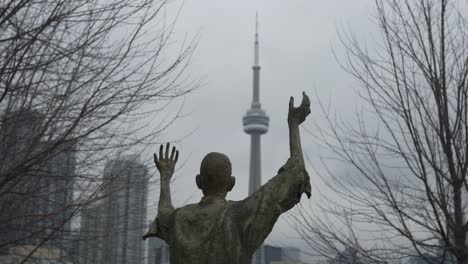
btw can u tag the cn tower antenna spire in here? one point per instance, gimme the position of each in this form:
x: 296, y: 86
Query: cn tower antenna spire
x: 256, y: 23
x: 256, y: 56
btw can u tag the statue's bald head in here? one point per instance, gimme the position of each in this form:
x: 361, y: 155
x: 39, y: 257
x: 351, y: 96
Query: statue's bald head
x: 215, y: 174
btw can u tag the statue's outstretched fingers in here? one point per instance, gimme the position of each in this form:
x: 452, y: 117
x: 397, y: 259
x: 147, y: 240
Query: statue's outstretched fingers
x: 305, y: 100
x: 291, y: 103
x: 167, y: 150
x: 173, y: 153
x: 161, y: 151
x: 176, y: 156
x: 305, y: 105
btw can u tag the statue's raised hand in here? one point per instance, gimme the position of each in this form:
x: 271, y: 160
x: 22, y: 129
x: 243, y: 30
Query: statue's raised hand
x: 166, y: 163
x: 297, y: 115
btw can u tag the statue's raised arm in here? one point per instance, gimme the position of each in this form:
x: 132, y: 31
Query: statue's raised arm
x: 284, y: 190
x: 165, y: 165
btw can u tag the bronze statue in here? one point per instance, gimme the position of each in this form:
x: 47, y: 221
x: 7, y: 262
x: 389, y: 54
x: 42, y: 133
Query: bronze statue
x: 216, y: 231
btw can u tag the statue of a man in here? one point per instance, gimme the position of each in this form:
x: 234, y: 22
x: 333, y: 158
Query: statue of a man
x: 217, y: 231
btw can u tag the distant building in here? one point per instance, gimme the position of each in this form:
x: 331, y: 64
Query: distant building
x: 158, y: 251
x: 91, y: 235
x: 268, y: 254
x: 291, y: 254
x: 72, y: 247
x: 271, y: 254
x: 36, y: 205
x: 126, y: 189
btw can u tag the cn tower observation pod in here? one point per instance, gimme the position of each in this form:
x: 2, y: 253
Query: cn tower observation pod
x: 255, y: 121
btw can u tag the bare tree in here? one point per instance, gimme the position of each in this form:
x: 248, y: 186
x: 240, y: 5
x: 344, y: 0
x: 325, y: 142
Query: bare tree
x: 404, y: 196
x: 81, y: 82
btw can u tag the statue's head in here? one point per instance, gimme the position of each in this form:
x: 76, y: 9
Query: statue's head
x: 215, y: 175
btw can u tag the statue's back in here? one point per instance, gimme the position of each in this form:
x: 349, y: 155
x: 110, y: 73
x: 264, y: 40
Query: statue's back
x: 210, y: 232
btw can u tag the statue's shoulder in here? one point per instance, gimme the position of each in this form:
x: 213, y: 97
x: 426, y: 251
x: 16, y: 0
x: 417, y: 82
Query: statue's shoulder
x: 185, y: 213
x: 237, y: 207
x: 187, y: 209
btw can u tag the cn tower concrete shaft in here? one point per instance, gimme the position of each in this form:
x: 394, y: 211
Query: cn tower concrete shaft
x: 255, y: 180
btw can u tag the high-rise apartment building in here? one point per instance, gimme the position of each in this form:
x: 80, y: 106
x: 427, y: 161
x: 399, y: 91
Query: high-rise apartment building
x: 91, y: 235
x: 126, y: 189
x: 37, y: 190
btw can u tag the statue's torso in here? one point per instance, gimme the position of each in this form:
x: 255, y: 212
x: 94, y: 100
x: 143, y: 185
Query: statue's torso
x: 209, y: 233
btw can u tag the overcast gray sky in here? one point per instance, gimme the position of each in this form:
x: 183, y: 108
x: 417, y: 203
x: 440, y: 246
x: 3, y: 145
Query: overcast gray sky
x: 297, y: 40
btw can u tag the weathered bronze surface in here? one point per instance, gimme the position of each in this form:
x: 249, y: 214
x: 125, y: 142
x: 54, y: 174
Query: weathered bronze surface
x: 217, y: 231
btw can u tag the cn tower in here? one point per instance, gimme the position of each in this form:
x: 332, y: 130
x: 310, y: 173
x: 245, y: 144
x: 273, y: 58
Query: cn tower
x: 255, y: 123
